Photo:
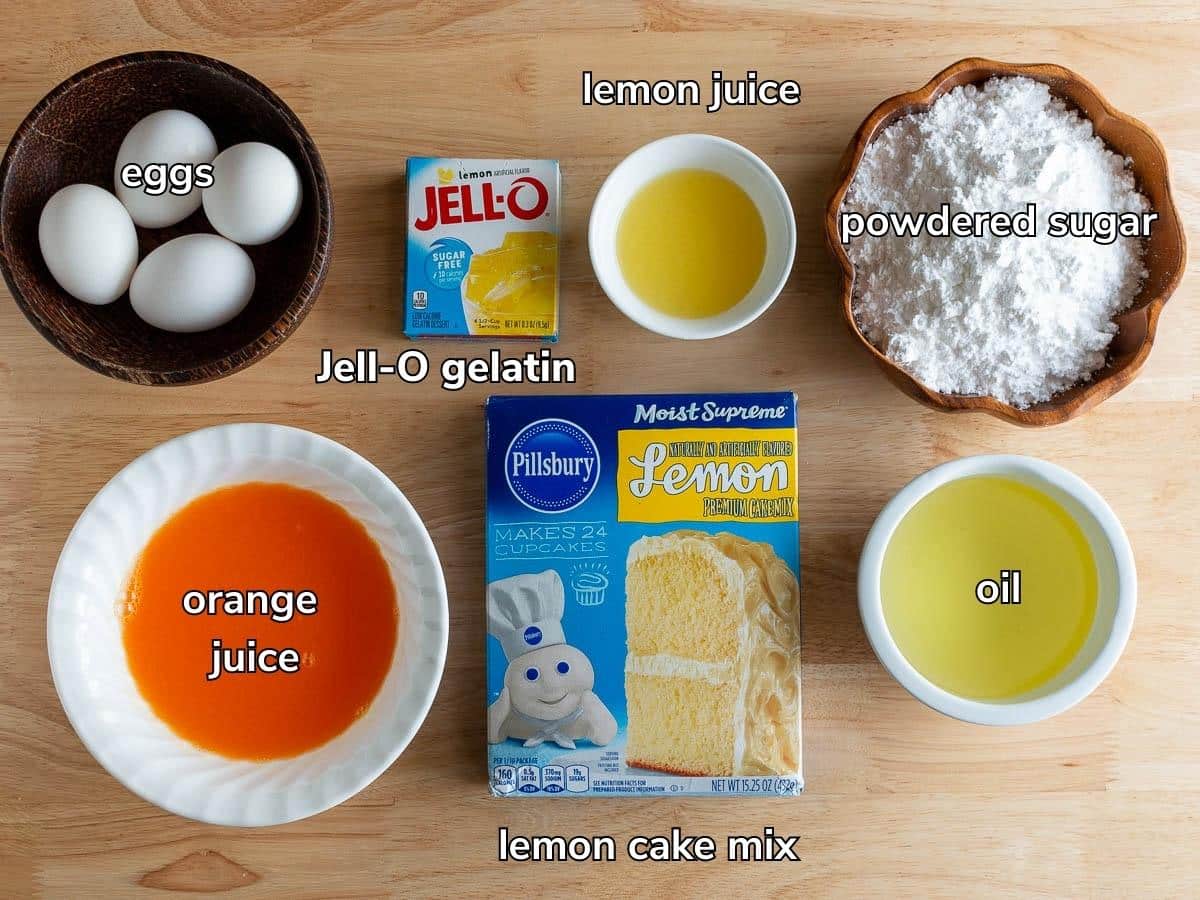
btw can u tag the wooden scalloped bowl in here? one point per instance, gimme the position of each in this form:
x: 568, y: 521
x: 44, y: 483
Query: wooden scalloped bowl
x: 1166, y: 251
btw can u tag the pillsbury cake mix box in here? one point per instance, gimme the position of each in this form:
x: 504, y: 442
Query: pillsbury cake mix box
x: 643, y: 600
x: 482, y: 248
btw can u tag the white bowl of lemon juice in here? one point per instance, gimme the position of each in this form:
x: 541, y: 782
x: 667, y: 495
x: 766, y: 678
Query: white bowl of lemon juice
x: 998, y: 589
x: 692, y: 236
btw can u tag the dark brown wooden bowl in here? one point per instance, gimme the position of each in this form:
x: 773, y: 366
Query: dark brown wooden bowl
x: 73, y: 135
x: 1166, y: 251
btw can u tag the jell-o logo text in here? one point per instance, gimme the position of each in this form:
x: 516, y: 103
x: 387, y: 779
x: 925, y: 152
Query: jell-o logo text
x: 453, y: 204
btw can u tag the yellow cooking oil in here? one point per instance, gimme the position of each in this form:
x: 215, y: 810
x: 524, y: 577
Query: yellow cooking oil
x: 691, y: 243
x: 953, y: 604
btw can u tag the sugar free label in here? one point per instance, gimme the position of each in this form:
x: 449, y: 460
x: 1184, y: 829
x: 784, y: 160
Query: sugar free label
x: 447, y: 263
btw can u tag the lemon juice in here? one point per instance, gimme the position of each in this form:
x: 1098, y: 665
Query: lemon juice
x: 989, y: 587
x: 691, y: 243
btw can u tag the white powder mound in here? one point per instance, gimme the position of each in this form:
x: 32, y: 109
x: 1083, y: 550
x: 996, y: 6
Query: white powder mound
x: 1019, y: 318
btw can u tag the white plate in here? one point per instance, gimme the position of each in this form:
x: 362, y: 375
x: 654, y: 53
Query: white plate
x: 87, y: 656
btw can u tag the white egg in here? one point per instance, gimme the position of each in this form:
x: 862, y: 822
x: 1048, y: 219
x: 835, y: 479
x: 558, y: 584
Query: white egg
x: 88, y: 242
x: 256, y: 193
x: 193, y: 283
x: 167, y: 138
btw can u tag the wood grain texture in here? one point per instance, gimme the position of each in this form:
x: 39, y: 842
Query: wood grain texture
x: 1100, y: 801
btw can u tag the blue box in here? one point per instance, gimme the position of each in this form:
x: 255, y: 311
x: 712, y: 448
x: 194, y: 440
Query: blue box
x: 643, y: 595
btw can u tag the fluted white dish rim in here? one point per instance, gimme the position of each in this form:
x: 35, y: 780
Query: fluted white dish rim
x: 88, y: 663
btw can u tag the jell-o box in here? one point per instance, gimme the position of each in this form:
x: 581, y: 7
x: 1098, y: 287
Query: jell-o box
x: 482, y: 248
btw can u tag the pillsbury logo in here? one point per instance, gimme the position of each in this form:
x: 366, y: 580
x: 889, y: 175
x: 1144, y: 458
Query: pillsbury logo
x: 552, y: 465
x: 533, y: 635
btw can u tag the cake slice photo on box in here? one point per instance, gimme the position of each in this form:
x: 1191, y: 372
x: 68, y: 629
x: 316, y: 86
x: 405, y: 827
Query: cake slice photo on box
x: 712, y: 678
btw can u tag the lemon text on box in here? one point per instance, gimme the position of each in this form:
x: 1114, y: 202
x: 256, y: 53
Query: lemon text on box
x: 706, y: 474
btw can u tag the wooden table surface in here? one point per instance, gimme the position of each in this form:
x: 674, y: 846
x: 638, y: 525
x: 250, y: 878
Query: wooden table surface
x: 1102, y: 800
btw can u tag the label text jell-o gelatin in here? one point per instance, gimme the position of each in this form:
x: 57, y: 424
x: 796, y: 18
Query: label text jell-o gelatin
x: 482, y: 248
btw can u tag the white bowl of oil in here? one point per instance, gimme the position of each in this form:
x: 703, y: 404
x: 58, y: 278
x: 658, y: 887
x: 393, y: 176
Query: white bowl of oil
x: 692, y: 236
x: 998, y: 590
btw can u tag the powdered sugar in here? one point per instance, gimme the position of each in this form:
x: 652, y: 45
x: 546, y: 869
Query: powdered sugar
x: 1019, y: 318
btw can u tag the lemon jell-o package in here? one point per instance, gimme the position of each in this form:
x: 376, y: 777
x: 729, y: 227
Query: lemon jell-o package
x: 643, y: 603
x: 482, y: 248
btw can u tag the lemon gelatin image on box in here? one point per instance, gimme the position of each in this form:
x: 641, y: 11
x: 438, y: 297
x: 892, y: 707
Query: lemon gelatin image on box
x: 482, y: 248
x: 516, y: 281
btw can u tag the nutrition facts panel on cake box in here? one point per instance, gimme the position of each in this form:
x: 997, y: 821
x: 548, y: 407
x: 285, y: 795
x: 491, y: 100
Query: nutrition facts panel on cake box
x: 1098, y: 800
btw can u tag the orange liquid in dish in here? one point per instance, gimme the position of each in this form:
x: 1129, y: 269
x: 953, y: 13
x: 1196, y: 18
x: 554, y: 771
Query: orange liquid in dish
x: 271, y: 537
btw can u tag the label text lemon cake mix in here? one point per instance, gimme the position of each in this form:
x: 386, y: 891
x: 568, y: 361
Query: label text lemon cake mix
x: 482, y: 248
x: 643, y: 602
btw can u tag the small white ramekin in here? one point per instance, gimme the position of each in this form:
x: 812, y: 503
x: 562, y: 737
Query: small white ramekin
x: 1116, y: 583
x: 693, y: 151
x: 87, y: 656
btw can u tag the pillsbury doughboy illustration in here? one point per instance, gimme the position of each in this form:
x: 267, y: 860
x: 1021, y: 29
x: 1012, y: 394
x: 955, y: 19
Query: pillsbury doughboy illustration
x: 547, y: 694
